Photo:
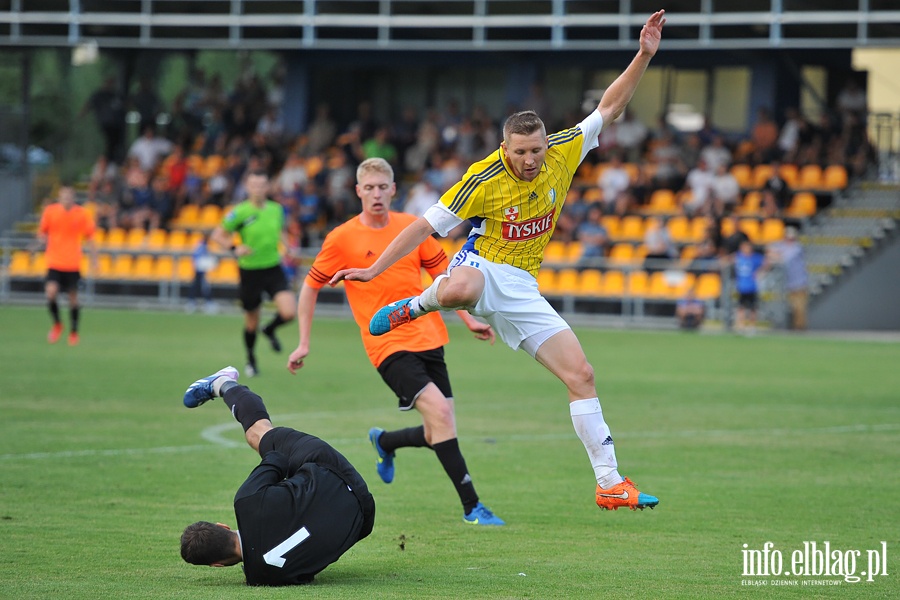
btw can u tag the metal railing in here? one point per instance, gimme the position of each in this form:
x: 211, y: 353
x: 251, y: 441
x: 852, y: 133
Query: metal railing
x: 446, y: 25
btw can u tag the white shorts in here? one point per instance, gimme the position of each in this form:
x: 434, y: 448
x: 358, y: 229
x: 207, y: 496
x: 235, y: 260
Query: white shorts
x: 512, y: 304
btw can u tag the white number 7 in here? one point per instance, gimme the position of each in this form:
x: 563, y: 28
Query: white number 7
x: 275, y: 556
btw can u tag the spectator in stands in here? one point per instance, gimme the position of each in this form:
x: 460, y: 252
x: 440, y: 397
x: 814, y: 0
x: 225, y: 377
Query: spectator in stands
x: 631, y: 136
x: 789, y: 253
x: 149, y: 150
x: 725, y: 191
x: 690, y: 310
x: 420, y: 198
x: 146, y: 102
x: 204, y: 262
x: 852, y: 100
x: 380, y: 146
x: 162, y: 202
x: 708, y: 249
x: 108, y: 106
x: 747, y: 264
x: 659, y: 246
x: 175, y: 169
x: 428, y: 137
x: 666, y: 155
x: 790, y: 137
x: 340, y: 178
x: 764, y: 136
x: 321, y: 131
x: 775, y: 193
x: 271, y: 125
x: 102, y: 170
x: 716, y: 153
x: 293, y: 176
x: 698, y: 186
x: 593, y: 237
x: 613, y: 180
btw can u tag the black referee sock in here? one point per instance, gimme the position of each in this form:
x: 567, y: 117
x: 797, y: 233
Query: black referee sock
x: 249, y: 344
x: 455, y: 465
x: 274, y: 324
x: 246, y: 407
x: 411, y: 437
x: 74, y: 311
x: 53, y: 305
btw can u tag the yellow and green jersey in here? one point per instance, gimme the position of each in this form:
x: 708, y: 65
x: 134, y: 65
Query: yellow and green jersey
x: 260, y: 230
x: 512, y: 220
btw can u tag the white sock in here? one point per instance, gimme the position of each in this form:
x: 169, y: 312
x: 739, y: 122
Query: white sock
x: 218, y: 382
x: 592, y: 430
x: 427, y: 301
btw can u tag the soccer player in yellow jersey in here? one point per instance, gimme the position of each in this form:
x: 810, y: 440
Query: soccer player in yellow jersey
x: 513, y: 199
x: 411, y: 359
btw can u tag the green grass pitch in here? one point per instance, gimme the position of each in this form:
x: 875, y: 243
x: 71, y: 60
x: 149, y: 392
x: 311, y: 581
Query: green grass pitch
x: 782, y: 439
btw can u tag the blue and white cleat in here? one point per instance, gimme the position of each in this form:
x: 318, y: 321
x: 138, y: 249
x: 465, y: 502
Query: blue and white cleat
x: 385, y: 462
x: 392, y: 316
x: 202, y: 390
x: 482, y: 515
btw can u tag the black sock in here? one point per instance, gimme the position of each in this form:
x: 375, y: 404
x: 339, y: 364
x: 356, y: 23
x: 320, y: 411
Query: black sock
x: 246, y: 407
x: 411, y: 437
x: 74, y: 311
x: 455, y: 465
x: 54, y: 310
x: 249, y: 344
x: 274, y: 324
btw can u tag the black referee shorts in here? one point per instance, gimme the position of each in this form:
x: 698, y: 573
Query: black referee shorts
x: 256, y: 281
x: 407, y: 373
x: 66, y: 280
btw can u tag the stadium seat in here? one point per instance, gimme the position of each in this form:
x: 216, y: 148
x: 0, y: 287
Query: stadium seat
x: 670, y: 285
x: 546, y: 280
x: 188, y: 217
x: 751, y: 228
x: 810, y: 177
x: 699, y: 225
x: 555, y: 252
x: 592, y: 195
x: 574, y: 250
x: 633, y: 170
x: 39, y: 264
x: 679, y: 229
x: 709, y: 286
x: 751, y: 203
x: 834, y: 177
x: 803, y: 204
x: 772, y: 230
x: 156, y: 239
x: 177, y: 241
x: 790, y: 173
x: 621, y: 254
x: 632, y: 228
x: 164, y: 268
x: 135, y: 238
x: 613, y: 284
x: 122, y: 267
x: 225, y: 272
x: 761, y: 174
x: 567, y: 281
x: 743, y: 174
x: 184, y: 269
x: 591, y: 283
x: 612, y: 224
x: 210, y: 216
x: 115, y: 238
x: 20, y: 263
x: 104, y: 266
x: 100, y: 237
x: 144, y: 267
x: 638, y: 284
x: 662, y: 201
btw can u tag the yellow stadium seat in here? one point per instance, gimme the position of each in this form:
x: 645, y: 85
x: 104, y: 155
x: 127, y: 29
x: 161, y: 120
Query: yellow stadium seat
x: 671, y: 285
x: 662, y: 201
x: 104, y: 266
x: 574, y: 250
x: 135, y: 237
x: 567, y: 281
x: 555, y: 252
x: 621, y: 254
x: 156, y: 239
x: 613, y: 283
x: 188, y: 216
x: 790, y: 173
x: 210, y: 216
x: 679, y: 229
x: 638, y: 284
x: 184, y: 269
x: 772, y: 230
x: 20, y: 263
x: 803, y: 204
x: 761, y: 174
x: 751, y: 203
x: 115, y: 237
x: 225, y: 272
x: 592, y: 195
x: 810, y: 177
x: 632, y: 228
x: 699, y: 225
x: 39, y: 264
x: 751, y: 228
x: 164, y: 269
x: 834, y: 177
x: 123, y: 266
x: 546, y: 280
x: 590, y: 283
x: 709, y: 286
x: 99, y: 237
x: 144, y: 267
x: 743, y: 174
x: 612, y: 225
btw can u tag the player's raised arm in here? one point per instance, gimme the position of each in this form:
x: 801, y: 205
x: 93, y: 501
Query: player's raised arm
x: 619, y: 93
x: 408, y: 240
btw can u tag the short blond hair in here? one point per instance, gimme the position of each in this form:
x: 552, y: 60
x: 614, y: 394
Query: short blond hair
x: 374, y: 165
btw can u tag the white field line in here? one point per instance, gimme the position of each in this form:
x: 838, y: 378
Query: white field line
x: 214, y: 435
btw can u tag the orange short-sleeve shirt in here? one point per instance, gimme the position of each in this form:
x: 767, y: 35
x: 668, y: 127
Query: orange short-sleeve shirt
x: 66, y: 230
x: 356, y: 245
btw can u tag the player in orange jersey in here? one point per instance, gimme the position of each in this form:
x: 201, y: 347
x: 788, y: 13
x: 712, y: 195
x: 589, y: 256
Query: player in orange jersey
x: 64, y: 227
x: 411, y: 359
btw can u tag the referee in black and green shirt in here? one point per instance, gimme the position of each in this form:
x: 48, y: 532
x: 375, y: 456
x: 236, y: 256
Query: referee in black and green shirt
x: 260, y: 224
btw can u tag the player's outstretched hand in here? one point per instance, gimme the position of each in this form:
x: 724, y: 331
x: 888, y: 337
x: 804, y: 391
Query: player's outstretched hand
x: 351, y: 275
x: 651, y: 32
x: 295, y: 360
x: 484, y: 332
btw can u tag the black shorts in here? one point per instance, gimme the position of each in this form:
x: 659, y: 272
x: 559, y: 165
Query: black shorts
x: 256, y: 281
x: 66, y: 280
x: 747, y: 300
x: 407, y: 373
